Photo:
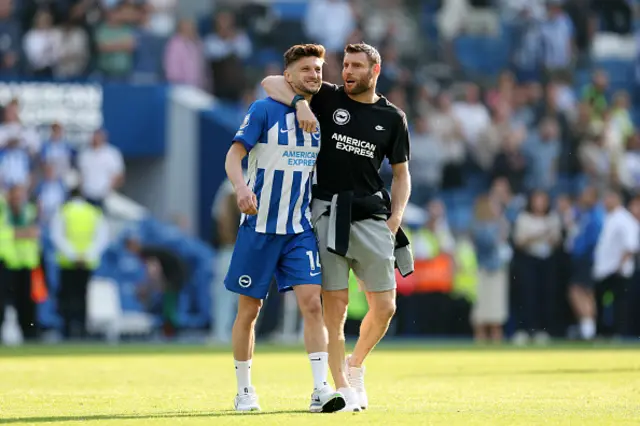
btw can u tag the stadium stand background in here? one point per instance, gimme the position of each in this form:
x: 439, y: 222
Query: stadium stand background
x: 171, y: 108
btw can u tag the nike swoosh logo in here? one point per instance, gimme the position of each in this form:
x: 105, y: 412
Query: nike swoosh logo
x: 313, y: 274
x: 286, y: 130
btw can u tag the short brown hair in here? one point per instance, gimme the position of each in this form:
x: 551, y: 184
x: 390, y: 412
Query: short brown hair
x: 371, y: 52
x: 300, y: 51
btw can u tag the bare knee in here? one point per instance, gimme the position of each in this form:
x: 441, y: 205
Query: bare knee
x: 311, y: 306
x: 248, y: 310
x: 383, y: 310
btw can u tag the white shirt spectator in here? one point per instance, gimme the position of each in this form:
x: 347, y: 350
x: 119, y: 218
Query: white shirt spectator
x: 98, y: 168
x: 330, y: 22
x: 15, y: 167
x: 42, y: 47
x: 620, y: 234
x: 473, y: 119
x: 29, y: 137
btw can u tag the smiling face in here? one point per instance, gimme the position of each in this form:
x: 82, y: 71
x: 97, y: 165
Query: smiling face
x: 303, y: 68
x: 360, y: 68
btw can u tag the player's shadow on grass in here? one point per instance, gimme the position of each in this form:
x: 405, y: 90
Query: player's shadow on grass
x: 144, y: 416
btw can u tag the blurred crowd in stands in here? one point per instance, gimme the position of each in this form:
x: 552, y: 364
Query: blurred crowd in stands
x: 524, y: 137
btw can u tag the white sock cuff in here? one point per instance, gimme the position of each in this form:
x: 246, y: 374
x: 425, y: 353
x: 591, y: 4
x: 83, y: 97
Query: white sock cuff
x: 321, y: 355
x: 242, y: 363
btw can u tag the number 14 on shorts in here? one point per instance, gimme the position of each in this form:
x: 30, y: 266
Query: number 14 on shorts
x: 314, y: 264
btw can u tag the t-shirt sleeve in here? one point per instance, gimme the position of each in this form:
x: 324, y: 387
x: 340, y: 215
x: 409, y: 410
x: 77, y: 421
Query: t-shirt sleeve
x: 326, y: 91
x: 252, y: 126
x: 400, y: 150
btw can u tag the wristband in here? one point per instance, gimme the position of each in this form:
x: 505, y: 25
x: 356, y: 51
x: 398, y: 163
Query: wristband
x: 296, y: 99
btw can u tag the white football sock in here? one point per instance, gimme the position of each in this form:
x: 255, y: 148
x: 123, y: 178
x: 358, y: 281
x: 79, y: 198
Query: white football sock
x: 587, y: 328
x: 243, y: 376
x: 319, y: 368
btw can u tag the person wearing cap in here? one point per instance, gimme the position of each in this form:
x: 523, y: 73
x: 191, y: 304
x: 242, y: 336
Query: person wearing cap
x: 80, y: 235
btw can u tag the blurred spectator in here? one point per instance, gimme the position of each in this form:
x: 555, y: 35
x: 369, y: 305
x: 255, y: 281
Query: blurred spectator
x: 10, y: 39
x: 583, y: 237
x: 50, y: 193
x: 183, y: 58
x: 426, y: 164
x: 595, y: 94
x: 616, y: 15
x: 557, y: 34
x: 471, y: 114
x: 12, y: 128
x: 536, y: 235
x: 510, y: 204
x: 116, y: 43
x: 543, y: 148
x: 491, y: 138
x: 329, y: 22
x: 446, y: 128
x: 584, y: 22
x: 438, y: 227
x: 631, y: 164
x: 393, y: 74
x: 58, y: 152
x: 167, y: 274
x: 15, y: 165
x: 162, y: 20
x: 503, y: 92
x: 42, y: 46
x: 526, y: 56
x: 101, y: 169
x: 597, y: 161
x: 614, y: 263
x: 80, y: 235
x: 74, y: 53
x: 225, y: 48
x: 389, y: 21
x: 23, y: 259
x: 511, y: 163
x: 570, y: 171
x: 620, y: 115
x: 490, y: 232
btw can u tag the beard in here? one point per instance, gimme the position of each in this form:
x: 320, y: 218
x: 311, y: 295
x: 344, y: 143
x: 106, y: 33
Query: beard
x: 362, y: 85
x: 300, y: 86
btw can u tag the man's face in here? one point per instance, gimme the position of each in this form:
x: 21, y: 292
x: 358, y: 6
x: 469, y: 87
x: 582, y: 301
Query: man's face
x: 357, y: 73
x: 306, y: 74
x: 16, y: 196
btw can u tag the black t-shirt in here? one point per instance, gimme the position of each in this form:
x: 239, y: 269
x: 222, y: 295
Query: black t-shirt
x: 356, y: 137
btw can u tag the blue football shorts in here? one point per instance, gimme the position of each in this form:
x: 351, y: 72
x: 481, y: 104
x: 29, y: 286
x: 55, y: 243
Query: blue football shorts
x: 257, y: 258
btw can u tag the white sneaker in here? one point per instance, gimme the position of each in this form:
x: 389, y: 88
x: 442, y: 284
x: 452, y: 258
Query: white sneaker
x: 356, y: 381
x: 247, y: 401
x: 351, y: 399
x: 326, y: 400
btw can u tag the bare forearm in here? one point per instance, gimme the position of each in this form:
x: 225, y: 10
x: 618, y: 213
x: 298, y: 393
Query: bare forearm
x: 233, y: 165
x: 278, y: 89
x: 400, y: 192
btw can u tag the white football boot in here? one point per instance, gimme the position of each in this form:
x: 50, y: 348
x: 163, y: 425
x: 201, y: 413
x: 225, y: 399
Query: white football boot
x: 355, y: 376
x: 326, y: 400
x: 351, y: 399
x: 247, y: 401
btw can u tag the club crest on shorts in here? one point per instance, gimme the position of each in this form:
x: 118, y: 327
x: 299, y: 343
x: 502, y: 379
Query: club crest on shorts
x: 341, y: 116
x: 244, y: 281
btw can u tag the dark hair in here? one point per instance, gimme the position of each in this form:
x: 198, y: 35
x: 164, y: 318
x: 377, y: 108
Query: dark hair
x: 371, y: 52
x: 530, y: 197
x: 299, y: 51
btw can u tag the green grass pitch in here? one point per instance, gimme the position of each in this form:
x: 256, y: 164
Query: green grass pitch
x: 412, y: 384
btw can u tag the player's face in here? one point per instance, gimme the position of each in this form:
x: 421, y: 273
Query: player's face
x: 358, y: 73
x: 306, y: 75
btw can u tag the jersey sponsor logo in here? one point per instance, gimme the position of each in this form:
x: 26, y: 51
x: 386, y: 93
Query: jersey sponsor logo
x: 354, y: 146
x: 341, y: 116
x: 244, y: 281
x: 300, y: 158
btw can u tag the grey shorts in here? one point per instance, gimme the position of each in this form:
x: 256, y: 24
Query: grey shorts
x: 370, y: 254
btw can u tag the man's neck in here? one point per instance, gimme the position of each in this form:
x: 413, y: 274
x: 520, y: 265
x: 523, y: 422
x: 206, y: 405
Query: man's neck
x: 368, y: 97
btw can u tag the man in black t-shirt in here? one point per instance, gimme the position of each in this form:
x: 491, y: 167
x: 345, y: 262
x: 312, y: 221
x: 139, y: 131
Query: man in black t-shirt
x: 359, y: 128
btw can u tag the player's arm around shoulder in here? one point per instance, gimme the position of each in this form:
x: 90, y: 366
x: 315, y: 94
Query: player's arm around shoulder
x: 280, y: 91
x: 250, y: 132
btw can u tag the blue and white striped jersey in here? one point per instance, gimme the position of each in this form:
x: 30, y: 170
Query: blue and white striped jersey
x: 282, y: 160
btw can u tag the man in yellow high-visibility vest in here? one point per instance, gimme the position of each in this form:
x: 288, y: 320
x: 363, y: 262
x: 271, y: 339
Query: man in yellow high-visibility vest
x: 80, y: 235
x: 22, y: 257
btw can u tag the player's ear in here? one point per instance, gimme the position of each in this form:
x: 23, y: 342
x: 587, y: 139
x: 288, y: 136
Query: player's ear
x: 287, y: 75
x: 376, y: 69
